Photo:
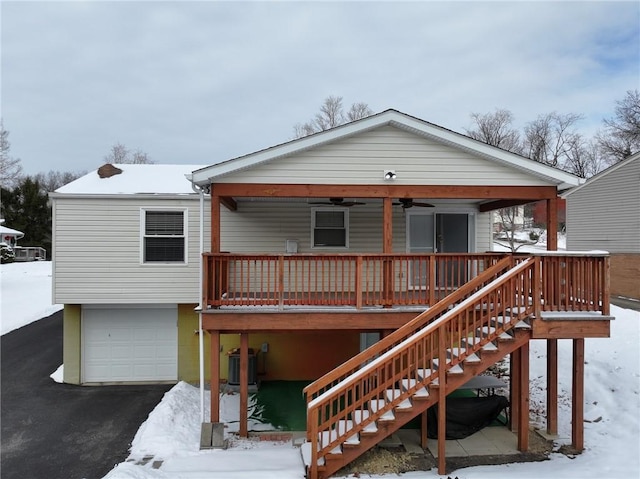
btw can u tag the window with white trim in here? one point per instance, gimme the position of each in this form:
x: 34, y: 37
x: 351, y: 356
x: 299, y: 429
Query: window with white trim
x: 164, y: 236
x: 330, y: 228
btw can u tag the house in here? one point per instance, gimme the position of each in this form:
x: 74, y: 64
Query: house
x: 9, y: 236
x: 359, y: 258
x: 604, y: 213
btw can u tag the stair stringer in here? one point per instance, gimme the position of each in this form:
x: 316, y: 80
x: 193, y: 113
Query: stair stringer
x: 335, y: 462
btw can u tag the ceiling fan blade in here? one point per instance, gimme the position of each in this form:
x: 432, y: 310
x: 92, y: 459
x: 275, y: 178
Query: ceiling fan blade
x: 351, y: 203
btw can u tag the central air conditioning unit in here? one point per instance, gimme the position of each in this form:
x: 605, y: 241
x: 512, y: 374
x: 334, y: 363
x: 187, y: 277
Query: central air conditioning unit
x: 234, y: 368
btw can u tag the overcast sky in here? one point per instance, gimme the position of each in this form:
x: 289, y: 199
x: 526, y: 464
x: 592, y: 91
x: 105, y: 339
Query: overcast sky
x: 203, y: 82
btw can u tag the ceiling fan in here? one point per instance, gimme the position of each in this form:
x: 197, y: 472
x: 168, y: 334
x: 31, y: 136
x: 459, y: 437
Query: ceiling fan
x: 408, y: 203
x: 337, y: 202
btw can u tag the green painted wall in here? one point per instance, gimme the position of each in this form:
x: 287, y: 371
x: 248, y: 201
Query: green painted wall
x: 71, y: 344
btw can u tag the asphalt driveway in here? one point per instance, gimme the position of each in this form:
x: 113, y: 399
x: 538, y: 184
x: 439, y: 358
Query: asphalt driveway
x: 59, y: 431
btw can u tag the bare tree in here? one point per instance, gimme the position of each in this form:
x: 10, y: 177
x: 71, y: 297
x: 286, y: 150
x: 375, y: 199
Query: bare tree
x: 120, y: 154
x: 496, y: 129
x: 509, y: 227
x: 10, y: 168
x: 621, y: 135
x: 359, y: 111
x: 585, y: 160
x: 52, y: 180
x: 331, y: 114
x: 550, y: 137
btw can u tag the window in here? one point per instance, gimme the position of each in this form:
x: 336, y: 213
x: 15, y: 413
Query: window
x: 330, y: 228
x: 164, y: 236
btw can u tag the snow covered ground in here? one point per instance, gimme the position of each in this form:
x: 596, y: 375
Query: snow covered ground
x: 171, y: 433
x: 25, y: 294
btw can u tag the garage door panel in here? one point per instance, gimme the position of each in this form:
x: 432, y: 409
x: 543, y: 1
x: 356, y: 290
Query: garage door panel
x: 130, y: 344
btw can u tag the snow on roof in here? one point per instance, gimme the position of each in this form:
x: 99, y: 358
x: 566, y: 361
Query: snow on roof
x: 11, y: 232
x: 134, y: 179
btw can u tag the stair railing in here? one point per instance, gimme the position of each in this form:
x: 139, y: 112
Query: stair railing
x: 411, y: 362
x: 356, y: 362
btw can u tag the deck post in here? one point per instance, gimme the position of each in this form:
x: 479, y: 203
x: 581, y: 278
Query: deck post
x: 523, y: 398
x: 387, y: 248
x: 514, y: 389
x: 244, y: 384
x: 442, y: 403
x: 552, y: 386
x: 577, y: 396
x: 423, y: 430
x: 215, y: 222
x: 215, y: 375
x: 552, y: 224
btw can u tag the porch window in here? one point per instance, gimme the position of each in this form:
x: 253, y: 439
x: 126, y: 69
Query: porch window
x: 164, y: 238
x: 330, y: 228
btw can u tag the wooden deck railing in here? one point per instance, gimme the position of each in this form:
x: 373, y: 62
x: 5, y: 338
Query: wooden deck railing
x: 357, y: 280
x: 411, y: 362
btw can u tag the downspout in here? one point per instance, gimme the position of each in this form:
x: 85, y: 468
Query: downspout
x: 200, y: 190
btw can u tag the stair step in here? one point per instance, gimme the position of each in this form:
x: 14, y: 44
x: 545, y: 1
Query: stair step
x: 489, y: 347
x: 517, y: 310
x: 501, y: 320
x: 347, y: 425
x: 421, y: 393
x: 487, y: 330
x: 457, y: 352
x: 376, y: 404
x: 360, y: 415
x: 457, y: 369
x: 522, y: 325
x: 392, y: 394
x: 425, y: 373
x: 325, y: 437
x: 305, y: 451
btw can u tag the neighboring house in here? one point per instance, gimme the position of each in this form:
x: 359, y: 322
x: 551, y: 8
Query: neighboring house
x: 604, y: 214
x: 375, y: 233
x: 125, y: 266
x: 9, y: 235
x: 321, y: 245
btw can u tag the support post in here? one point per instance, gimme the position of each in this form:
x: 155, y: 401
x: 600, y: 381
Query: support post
x: 442, y: 403
x: 387, y: 248
x: 552, y: 386
x: 577, y: 396
x: 514, y: 389
x: 523, y: 400
x: 244, y: 384
x: 214, y: 336
x: 215, y: 223
x: 552, y: 224
x: 423, y: 430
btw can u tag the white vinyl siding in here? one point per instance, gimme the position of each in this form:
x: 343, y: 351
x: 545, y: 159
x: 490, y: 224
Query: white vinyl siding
x: 264, y: 227
x: 97, y: 252
x: 605, y: 213
x: 364, y: 158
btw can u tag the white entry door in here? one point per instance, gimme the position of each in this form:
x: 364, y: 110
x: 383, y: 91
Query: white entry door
x: 132, y: 344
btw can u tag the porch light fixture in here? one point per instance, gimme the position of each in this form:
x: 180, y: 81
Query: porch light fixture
x: 389, y: 175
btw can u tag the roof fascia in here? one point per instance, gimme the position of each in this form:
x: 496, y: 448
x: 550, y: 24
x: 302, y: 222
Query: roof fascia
x: 602, y: 174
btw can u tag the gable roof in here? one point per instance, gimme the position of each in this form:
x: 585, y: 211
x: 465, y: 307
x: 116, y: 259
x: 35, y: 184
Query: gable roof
x: 602, y: 174
x: 152, y: 179
x: 397, y: 119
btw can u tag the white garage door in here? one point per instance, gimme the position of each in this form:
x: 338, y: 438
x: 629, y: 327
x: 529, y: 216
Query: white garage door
x: 129, y: 345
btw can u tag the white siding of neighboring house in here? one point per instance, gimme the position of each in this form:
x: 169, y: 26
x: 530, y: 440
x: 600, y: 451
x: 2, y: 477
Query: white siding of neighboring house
x: 97, y: 252
x: 605, y: 214
x: 362, y: 159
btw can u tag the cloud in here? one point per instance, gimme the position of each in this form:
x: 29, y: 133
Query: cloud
x: 198, y: 82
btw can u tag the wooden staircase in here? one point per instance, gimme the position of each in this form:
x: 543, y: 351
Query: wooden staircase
x: 359, y: 404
